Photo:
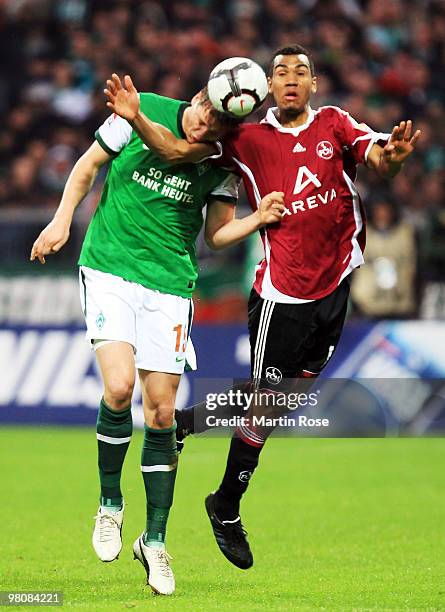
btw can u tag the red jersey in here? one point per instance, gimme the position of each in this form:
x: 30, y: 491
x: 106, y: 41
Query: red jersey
x: 321, y: 237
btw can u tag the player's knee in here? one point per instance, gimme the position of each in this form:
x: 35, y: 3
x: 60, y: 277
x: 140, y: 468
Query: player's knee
x: 163, y: 415
x: 118, y: 392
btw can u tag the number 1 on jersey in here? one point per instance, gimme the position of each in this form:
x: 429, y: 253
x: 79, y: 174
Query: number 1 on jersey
x: 178, y: 330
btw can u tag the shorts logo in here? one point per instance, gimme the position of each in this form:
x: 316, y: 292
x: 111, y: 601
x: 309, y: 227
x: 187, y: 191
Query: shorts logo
x: 100, y: 320
x: 325, y: 150
x: 244, y: 476
x: 273, y: 375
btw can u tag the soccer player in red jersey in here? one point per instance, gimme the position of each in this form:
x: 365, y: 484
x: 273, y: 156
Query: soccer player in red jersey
x: 298, y: 302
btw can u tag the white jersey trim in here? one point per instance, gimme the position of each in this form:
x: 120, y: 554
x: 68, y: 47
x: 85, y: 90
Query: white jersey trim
x: 248, y: 171
x: 356, y: 258
x: 369, y: 134
x: 216, y: 155
x: 273, y: 121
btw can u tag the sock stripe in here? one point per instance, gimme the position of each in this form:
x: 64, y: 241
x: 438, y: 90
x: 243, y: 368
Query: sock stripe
x: 251, y: 434
x: 249, y: 438
x: 111, y: 440
x: 231, y: 522
x: 159, y: 468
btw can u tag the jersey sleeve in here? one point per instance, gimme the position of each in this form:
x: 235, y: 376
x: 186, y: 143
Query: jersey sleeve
x: 114, y: 134
x: 358, y: 137
x: 227, y: 152
x: 215, y: 156
x: 227, y: 190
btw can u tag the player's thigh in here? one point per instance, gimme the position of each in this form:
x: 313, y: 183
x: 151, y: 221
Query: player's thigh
x: 330, y: 318
x: 108, y: 303
x: 116, y: 364
x: 276, y: 338
x: 158, y: 397
x: 163, y: 327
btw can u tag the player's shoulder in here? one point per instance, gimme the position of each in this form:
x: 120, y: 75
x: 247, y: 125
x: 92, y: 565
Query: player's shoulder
x: 331, y: 112
x: 257, y: 128
x: 154, y: 98
x: 248, y: 131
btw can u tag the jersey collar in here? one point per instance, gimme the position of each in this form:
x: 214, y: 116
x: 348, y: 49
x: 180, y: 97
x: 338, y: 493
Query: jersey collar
x: 181, y: 110
x: 272, y: 120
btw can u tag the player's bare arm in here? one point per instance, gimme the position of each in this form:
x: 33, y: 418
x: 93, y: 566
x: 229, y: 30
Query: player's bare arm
x: 223, y: 230
x: 79, y: 183
x: 388, y: 161
x: 123, y: 99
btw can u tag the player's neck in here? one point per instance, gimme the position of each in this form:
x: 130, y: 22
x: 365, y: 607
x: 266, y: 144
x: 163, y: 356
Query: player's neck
x: 293, y: 119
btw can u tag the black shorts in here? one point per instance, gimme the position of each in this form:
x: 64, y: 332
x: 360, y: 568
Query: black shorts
x: 290, y: 341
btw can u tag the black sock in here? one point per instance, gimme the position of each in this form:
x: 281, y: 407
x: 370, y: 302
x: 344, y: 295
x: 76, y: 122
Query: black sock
x: 194, y: 418
x: 184, y: 422
x: 241, y: 463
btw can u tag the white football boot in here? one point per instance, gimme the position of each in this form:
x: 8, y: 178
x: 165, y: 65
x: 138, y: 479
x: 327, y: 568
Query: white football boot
x: 156, y: 562
x: 107, y: 535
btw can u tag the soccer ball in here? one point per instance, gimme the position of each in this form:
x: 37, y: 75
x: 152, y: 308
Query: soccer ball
x: 237, y: 86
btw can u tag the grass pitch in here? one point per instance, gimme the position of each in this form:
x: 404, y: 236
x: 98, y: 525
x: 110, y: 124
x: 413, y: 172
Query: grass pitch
x: 333, y: 525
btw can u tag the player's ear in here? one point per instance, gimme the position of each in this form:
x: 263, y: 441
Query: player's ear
x: 314, y: 85
x: 269, y: 84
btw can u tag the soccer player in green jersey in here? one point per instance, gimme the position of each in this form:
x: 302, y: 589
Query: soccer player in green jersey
x: 138, y: 270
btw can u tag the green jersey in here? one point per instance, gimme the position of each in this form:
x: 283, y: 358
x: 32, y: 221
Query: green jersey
x: 150, y: 212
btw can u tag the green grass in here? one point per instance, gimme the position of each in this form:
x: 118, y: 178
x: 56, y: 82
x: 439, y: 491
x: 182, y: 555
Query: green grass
x: 333, y: 524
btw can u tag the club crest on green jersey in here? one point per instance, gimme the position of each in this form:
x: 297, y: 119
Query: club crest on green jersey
x: 202, y: 167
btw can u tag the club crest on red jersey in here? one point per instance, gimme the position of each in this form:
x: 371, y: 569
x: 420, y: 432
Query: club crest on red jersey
x: 325, y: 150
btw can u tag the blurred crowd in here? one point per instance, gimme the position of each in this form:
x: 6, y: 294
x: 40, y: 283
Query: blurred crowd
x: 382, y: 60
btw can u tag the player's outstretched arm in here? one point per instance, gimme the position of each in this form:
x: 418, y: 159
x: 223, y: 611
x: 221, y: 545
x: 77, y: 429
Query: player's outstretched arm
x: 79, y: 183
x: 388, y: 161
x: 223, y: 230
x: 123, y: 99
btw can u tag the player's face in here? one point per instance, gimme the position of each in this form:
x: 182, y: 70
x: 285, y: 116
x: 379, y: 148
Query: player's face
x: 292, y: 83
x: 200, y: 123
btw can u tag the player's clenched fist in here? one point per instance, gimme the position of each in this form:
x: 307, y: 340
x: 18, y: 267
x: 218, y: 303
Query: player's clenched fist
x: 50, y: 240
x: 271, y: 207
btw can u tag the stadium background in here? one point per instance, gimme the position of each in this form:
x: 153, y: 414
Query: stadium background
x: 382, y: 60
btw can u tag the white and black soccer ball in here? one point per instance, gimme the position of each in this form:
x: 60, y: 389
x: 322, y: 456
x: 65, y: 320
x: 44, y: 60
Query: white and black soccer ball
x: 237, y: 86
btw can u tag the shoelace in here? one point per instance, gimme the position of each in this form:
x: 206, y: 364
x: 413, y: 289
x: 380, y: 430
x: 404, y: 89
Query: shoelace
x: 107, y: 526
x: 162, y: 560
x: 236, y: 532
